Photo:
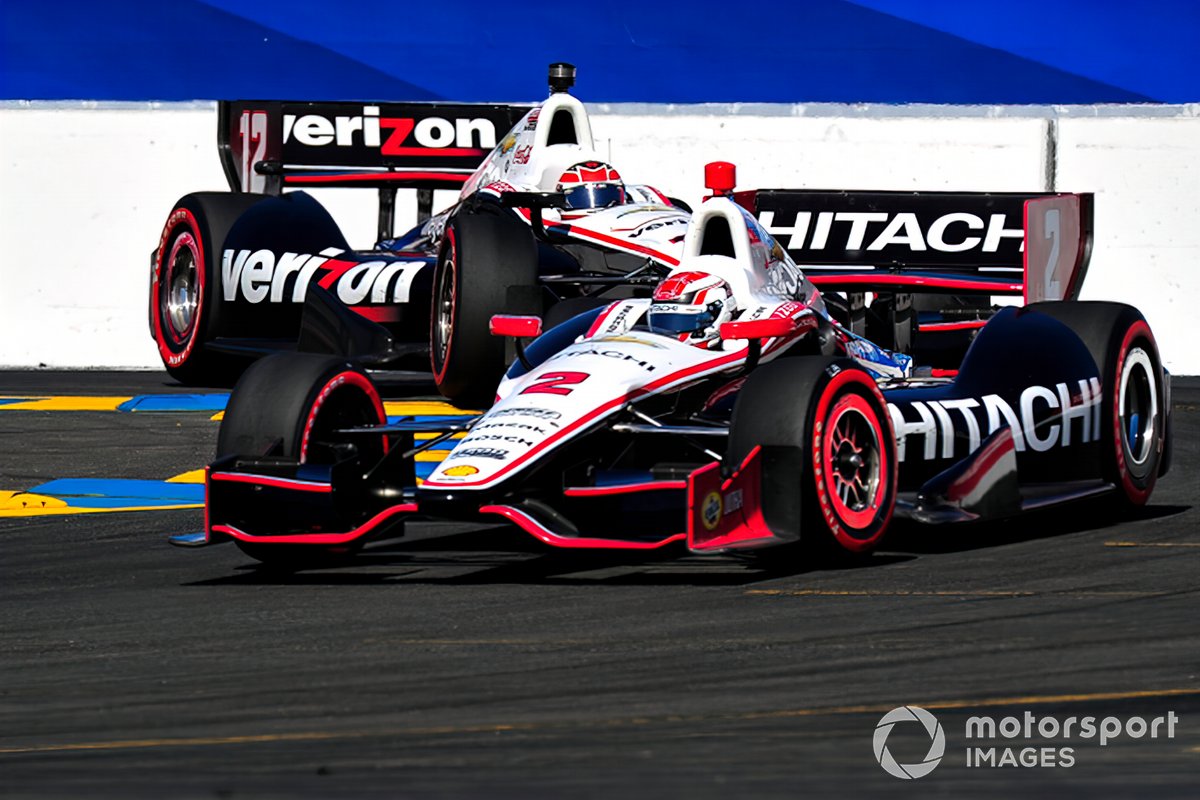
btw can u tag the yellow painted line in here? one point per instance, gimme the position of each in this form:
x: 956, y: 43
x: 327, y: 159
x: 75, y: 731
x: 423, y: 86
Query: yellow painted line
x: 20, y: 501
x: 1152, y: 544
x: 401, y: 408
x: 949, y: 593
x: 193, y: 476
x: 879, y: 593
x: 64, y: 510
x: 662, y: 719
x: 65, y: 403
x: 431, y: 455
x: 418, y: 408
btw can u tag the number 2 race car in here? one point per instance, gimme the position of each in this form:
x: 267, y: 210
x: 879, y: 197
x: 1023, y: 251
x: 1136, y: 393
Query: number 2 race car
x: 735, y: 408
x: 233, y: 270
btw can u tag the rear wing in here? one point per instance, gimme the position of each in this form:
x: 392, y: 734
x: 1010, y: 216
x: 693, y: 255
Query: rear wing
x: 267, y: 145
x: 1033, y: 245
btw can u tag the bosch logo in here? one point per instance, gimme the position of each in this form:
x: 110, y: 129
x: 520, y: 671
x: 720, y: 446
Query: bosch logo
x: 393, y: 136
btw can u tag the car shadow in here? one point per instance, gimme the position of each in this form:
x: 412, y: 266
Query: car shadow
x: 496, y: 555
x: 504, y: 555
x: 910, y: 537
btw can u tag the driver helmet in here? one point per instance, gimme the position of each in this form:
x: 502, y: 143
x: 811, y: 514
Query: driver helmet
x: 692, y: 307
x: 591, y: 184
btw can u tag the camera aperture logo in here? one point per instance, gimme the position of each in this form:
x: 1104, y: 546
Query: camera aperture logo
x: 937, y: 745
x: 1025, y: 741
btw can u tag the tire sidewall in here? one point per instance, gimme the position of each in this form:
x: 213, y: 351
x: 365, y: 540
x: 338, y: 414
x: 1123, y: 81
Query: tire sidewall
x: 1135, y: 481
x: 184, y: 220
x: 850, y: 532
x: 278, y: 398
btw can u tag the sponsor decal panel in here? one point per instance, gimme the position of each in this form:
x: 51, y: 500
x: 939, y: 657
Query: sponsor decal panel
x: 391, y: 136
x: 1042, y: 418
x: 262, y: 276
x: 873, y: 231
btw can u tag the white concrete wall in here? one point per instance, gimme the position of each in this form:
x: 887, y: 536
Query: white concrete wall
x: 84, y: 192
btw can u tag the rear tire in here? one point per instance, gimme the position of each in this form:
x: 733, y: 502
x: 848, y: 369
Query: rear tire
x: 1133, y: 419
x: 829, y: 453
x: 289, y: 404
x: 185, y: 295
x: 487, y: 265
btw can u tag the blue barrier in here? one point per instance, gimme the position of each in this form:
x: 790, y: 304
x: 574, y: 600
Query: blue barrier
x: 879, y: 51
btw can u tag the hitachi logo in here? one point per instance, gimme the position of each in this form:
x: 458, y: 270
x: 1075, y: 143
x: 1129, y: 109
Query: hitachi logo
x: 1077, y: 420
x: 260, y: 276
x: 871, y: 230
x: 394, y: 136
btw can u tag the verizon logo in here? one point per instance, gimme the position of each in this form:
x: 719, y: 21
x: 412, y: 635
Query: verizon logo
x: 393, y: 136
x: 876, y: 230
x: 262, y: 276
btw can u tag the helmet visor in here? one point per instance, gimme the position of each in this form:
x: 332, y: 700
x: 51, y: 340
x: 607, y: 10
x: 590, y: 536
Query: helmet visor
x: 594, y: 195
x: 676, y: 319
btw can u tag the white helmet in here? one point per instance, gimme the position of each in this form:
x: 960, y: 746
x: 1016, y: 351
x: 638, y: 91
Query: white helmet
x: 591, y: 184
x: 692, y: 306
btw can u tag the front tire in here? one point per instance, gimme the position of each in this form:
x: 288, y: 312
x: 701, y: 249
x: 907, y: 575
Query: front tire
x: 829, y: 453
x: 291, y: 405
x: 487, y: 265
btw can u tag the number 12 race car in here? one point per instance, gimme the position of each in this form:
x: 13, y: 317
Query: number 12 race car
x: 733, y: 409
x: 541, y: 226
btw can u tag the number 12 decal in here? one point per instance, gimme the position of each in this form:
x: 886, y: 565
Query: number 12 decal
x: 555, y: 383
x: 253, y: 129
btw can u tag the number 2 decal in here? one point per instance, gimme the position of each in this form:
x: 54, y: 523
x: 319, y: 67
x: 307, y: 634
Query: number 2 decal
x: 1053, y: 285
x: 555, y: 383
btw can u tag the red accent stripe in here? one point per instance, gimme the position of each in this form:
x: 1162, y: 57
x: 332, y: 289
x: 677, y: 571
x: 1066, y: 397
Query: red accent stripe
x: 267, y: 480
x: 928, y: 282
x: 935, y: 372
x: 968, y: 325
x: 624, y: 488
x: 378, y: 313
x: 676, y: 377
x: 620, y: 244
x: 367, y: 177
x: 982, y: 466
x: 600, y: 318
x: 532, y: 526
x: 320, y: 538
x: 679, y: 376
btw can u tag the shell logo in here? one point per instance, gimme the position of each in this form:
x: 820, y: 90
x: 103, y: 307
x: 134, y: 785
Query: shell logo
x: 461, y: 471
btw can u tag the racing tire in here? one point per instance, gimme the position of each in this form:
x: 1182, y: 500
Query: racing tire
x: 487, y: 265
x: 185, y: 292
x: 1134, y: 416
x: 289, y: 404
x: 829, y: 467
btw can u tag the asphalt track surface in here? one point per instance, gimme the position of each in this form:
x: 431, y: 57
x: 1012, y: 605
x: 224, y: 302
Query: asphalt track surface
x: 469, y: 661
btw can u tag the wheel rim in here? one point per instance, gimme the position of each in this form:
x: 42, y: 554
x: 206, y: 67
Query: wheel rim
x: 346, y: 401
x: 853, y: 462
x: 1137, y: 408
x: 443, y: 323
x: 182, y: 299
